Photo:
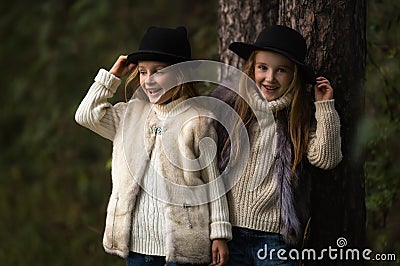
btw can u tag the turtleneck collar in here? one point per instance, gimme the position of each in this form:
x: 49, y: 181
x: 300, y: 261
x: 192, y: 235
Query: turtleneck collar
x: 258, y: 102
x: 170, y: 109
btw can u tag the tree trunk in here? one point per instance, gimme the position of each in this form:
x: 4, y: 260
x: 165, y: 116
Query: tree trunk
x: 242, y: 21
x: 335, y: 35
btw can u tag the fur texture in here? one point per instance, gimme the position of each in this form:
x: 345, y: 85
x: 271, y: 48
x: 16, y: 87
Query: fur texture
x: 291, y: 206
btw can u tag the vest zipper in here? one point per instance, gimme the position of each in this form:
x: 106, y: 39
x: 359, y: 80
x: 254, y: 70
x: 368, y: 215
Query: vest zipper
x: 112, y: 231
x: 186, y: 208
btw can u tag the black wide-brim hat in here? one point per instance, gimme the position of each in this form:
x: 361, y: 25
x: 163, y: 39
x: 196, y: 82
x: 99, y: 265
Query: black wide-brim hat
x: 164, y: 45
x: 280, y: 39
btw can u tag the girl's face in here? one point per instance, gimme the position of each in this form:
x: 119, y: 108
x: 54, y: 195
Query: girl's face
x: 273, y: 74
x: 152, y: 77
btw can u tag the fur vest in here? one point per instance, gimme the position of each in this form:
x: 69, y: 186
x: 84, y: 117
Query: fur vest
x: 189, y: 230
x: 136, y: 128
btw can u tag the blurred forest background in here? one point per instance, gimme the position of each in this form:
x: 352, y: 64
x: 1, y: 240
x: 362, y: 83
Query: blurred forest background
x: 55, y: 175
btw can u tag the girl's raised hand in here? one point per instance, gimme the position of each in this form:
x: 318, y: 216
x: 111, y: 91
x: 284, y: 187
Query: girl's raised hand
x: 323, y: 90
x: 121, y: 67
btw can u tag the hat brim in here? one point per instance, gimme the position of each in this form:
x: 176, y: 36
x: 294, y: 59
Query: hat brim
x: 244, y: 50
x: 145, y: 55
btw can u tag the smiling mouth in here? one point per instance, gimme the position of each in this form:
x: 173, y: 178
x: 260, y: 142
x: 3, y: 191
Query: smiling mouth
x: 154, y: 91
x: 269, y: 88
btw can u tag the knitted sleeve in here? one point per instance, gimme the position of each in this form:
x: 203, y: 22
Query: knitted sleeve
x: 324, y: 147
x: 220, y: 226
x: 95, y: 112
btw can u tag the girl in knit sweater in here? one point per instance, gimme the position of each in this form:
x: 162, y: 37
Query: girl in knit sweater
x: 272, y: 214
x: 154, y: 215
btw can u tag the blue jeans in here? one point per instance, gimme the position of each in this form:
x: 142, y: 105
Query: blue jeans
x: 257, y: 248
x: 137, y: 259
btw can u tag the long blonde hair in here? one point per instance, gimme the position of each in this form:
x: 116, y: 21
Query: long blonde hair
x: 132, y: 83
x: 299, y: 114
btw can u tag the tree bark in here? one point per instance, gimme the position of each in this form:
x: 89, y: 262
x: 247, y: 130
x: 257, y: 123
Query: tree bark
x: 242, y: 21
x: 335, y: 34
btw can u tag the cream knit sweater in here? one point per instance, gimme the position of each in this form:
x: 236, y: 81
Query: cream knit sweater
x: 259, y: 209
x: 143, y: 136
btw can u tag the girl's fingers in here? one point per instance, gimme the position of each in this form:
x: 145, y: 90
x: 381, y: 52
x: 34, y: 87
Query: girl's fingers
x: 215, y: 257
x: 123, y: 57
x: 322, y: 80
x: 121, y: 66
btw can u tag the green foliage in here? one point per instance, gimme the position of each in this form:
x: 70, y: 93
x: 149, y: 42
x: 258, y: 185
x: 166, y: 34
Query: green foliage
x: 54, y: 183
x: 381, y: 127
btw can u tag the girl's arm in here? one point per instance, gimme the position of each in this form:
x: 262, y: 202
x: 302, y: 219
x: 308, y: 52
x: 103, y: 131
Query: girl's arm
x: 221, y: 229
x: 95, y: 112
x: 324, y: 147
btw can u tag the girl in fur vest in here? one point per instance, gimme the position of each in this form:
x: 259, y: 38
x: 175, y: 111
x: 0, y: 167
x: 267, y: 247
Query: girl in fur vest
x: 272, y: 215
x: 155, y: 216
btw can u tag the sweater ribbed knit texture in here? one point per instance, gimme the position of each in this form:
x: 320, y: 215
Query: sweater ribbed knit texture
x: 259, y: 209
x: 148, y: 219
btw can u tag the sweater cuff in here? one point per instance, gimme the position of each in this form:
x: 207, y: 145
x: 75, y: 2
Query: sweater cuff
x: 323, y: 107
x: 325, y: 113
x: 108, y: 80
x: 221, y: 230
